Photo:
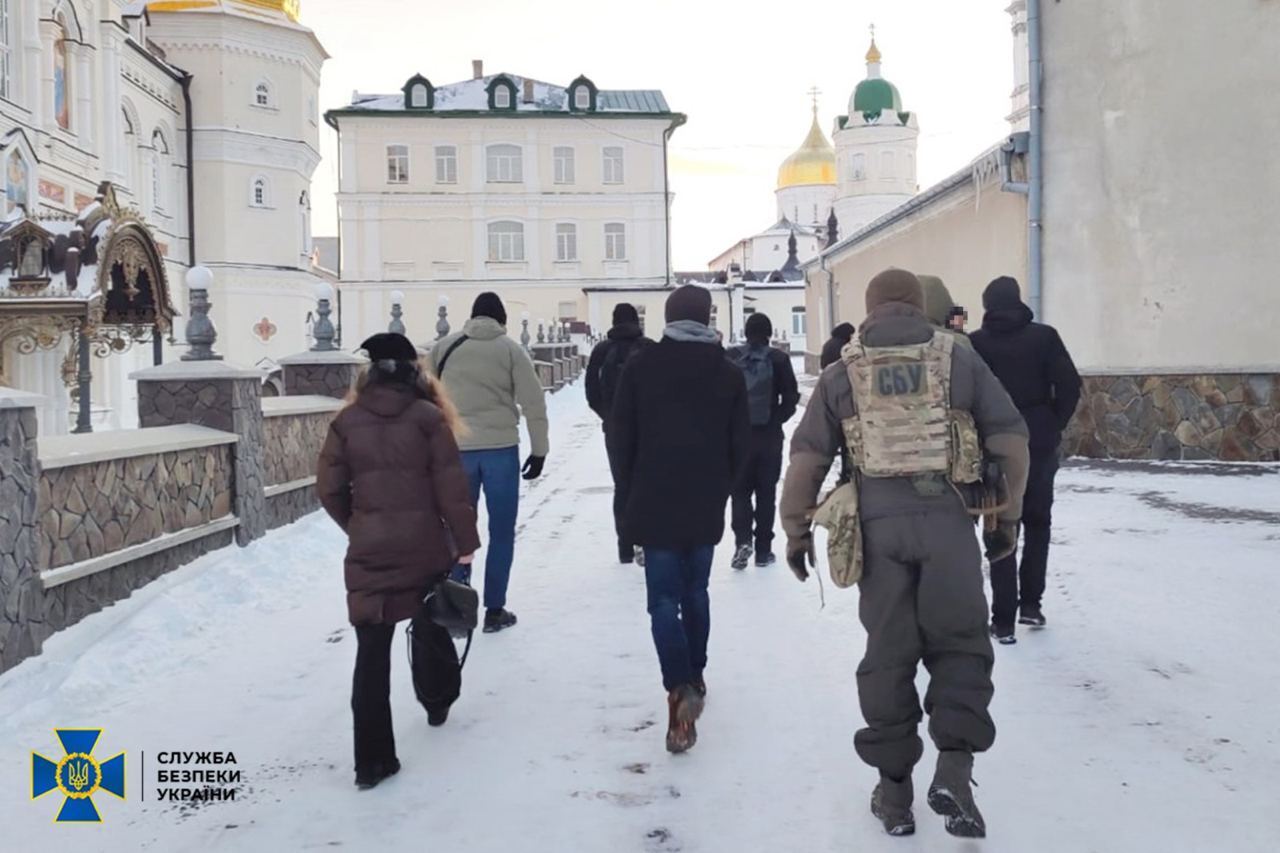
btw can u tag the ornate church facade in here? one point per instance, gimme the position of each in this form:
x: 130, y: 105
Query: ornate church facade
x: 137, y: 140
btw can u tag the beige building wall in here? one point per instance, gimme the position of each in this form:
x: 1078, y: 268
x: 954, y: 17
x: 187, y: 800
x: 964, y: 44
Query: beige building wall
x: 1161, y: 181
x: 966, y: 237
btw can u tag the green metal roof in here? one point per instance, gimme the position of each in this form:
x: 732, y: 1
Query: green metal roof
x: 874, y: 96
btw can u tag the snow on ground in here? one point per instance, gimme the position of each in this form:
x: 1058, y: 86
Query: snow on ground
x: 1143, y: 719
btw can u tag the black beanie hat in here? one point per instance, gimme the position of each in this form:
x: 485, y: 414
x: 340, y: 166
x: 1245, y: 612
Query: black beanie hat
x: 389, y: 346
x: 689, y: 302
x: 625, y: 312
x: 759, y: 327
x: 843, y: 332
x: 490, y: 305
x: 1002, y: 293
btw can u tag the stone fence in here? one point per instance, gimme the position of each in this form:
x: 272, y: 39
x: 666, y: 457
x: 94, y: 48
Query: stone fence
x: 557, y: 364
x: 294, y: 430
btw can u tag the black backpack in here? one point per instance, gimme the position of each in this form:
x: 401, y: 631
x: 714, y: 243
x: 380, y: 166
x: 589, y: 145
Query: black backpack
x: 757, y: 368
x: 616, y: 358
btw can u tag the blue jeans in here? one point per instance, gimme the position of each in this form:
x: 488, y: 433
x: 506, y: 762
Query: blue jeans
x: 679, y: 610
x: 497, y: 472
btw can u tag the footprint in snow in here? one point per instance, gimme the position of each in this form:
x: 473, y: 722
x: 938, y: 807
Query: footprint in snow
x: 336, y: 636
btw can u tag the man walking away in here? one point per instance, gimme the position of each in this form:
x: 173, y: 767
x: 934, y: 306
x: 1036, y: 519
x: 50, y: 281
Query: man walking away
x: 840, y: 337
x: 487, y: 374
x: 1032, y: 363
x: 894, y: 405
x: 681, y: 432
x: 772, y: 397
x: 604, y: 368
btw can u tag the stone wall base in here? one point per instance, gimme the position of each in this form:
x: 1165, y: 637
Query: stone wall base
x: 1230, y: 417
x: 288, y: 507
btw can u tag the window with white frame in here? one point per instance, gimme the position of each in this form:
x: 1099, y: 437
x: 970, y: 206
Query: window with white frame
x: 613, y: 164
x: 397, y: 164
x: 615, y: 241
x: 418, y: 96
x: 502, y: 97
x: 582, y: 98
x: 888, y: 169
x: 799, y: 322
x: 6, y: 51
x: 446, y: 164
x: 304, y: 215
x: 566, y: 241
x: 562, y: 159
x: 504, y: 164
x: 262, y: 94
x: 159, y: 170
x: 260, y: 192
x: 506, y: 241
x: 858, y: 167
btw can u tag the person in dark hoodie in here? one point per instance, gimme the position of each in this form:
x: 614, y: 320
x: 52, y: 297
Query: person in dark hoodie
x: 1034, y: 366
x: 391, y: 476
x: 682, y: 435
x: 840, y: 337
x: 772, y: 397
x: 624, y: 341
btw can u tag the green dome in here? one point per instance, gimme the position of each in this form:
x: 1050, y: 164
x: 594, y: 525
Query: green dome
x: 873, y: 96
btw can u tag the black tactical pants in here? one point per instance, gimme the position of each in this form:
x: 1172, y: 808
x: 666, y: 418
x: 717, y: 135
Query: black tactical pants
x: 922, y: 599
x: 755, y: 495
x: 619, y: 507
x: 1015, y: 584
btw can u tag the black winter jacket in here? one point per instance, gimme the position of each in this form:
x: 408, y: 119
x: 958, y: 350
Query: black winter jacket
x: 1034, y: 366
x: 786, y: 391
x: 604, y: 366
x: 682, y: 433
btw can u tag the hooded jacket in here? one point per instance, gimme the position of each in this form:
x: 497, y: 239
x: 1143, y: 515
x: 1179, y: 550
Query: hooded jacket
x: 1035, y: 368
x: 492, y: 381
x: 391, y: 476
x: 839, y: 339
x: 623, y: 343
x: 937, y: 307
x: 820, y: 435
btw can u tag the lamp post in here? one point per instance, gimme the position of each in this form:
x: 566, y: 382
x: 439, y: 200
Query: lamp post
x: 541, y: 337
x: 397, y: 300
x: 323, y: 330
x: 524, y: 330
x: 442, y: 324
x: 200, y: 331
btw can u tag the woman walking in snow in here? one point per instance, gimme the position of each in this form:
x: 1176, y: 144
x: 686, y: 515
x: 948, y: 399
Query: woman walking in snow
x: 391, y: 476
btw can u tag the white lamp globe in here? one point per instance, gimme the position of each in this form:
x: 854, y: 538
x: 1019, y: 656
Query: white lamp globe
x: 324, y: 290
x: 199, y: 278
x: 443, y: 300
x: 397, y: 297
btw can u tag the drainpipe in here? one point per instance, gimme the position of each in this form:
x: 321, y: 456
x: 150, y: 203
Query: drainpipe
x: 191, y: 172
x: 831, y: 289
x: 1035, y: 158
x: 666, y: 190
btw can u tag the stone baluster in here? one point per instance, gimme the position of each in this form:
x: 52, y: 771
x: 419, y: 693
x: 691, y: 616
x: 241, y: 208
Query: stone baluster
x: 396, y: 326
x: 442, y: 324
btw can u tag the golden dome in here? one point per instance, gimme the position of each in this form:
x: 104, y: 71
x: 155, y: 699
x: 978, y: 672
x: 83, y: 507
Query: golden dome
x: 289, y: 8
x: 813, y: 163
x: 873, y: 54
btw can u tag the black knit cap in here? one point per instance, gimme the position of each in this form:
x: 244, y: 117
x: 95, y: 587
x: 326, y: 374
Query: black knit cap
x: 843, y: 332
x: 759, y: 328
x: 689, y: 302
x: 490, y: 305
x: 1002, y: 293
x: 389, y: 346
x: 625, y: 312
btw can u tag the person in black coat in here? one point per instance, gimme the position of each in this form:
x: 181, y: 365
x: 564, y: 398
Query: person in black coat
x: 682, y: 435
x: 772, y: 397
x: 840, y: 337
x: 1034, y: 366
x: 604, y: 369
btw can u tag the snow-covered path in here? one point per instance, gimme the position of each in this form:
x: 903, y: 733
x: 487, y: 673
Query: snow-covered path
x: 1144, y: 719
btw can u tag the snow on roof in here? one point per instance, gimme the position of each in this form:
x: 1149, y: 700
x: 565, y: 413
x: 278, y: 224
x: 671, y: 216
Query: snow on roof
x: 87, y: 279
x: 473, y: 95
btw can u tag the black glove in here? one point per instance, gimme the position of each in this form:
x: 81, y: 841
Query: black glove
x: 797, y: 551
x: 1002, y: 541
x: 532, y: 469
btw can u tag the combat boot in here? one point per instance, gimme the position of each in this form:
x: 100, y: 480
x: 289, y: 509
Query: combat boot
x: 951, y: 796
x: 891, y: 804
x: 684, y: 706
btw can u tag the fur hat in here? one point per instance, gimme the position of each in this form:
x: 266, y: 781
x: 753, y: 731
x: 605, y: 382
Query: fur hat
x: 895, y: 285
x: 490, y: 305
x: 389, y: 346
x: 689, y: 302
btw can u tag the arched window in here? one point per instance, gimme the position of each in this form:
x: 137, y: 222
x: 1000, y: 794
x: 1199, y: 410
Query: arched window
x: 504, y: 164
x: 418, y: 96
x: 262, y: 95
x: 129, y: 143
x: 159, y: 170
x: 259, y: 192
x: 888, y: 167
x: 304, y: 214
x: 6, y: 51
x: 506, y: 241
x: 858, y: 167
x: 61, y: 77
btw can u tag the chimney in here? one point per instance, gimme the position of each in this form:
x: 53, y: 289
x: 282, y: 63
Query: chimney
x: 477, y: 69
x: 528, y: 91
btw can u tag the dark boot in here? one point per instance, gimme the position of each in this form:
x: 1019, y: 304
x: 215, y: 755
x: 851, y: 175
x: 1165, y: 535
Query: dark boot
x: 1032, y: 616
x: 1003, y: 635
x: 369, y: 777
x: 765, y: 559
x: 684, y: 706
x: 951, y: 796
x: 498, y: 620
x: 741, y: 557
x: 891, y: 803
x: 437, y: 717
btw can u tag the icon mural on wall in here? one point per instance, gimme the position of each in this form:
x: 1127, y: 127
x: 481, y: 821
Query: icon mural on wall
x: 17, y: 179
x: 61, y: 108
x: 265, y: 329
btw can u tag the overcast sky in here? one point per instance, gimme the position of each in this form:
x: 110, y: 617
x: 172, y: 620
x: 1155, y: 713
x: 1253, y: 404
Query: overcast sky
x: 739, y: 74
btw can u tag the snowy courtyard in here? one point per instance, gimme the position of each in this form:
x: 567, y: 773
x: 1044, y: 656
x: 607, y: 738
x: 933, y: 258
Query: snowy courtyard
x: 1145, y: 718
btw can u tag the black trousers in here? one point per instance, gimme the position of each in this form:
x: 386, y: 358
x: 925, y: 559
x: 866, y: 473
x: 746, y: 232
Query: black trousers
x: 1017, y: 584
x: 755, y: 497
x: 436, y: 675
x: 619, y: 508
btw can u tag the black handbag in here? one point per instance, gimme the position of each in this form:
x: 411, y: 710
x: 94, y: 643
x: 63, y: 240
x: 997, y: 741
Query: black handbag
x: 453, y: 606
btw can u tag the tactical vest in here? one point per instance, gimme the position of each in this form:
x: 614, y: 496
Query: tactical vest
x: 904, y: 425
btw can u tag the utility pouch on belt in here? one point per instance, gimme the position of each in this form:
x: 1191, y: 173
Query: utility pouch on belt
x: 838, y: 513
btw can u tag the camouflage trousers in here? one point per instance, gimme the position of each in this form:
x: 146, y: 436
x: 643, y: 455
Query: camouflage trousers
x: 922, y: 600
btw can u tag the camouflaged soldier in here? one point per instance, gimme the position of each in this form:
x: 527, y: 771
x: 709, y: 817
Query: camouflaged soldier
x: 910, y: 405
